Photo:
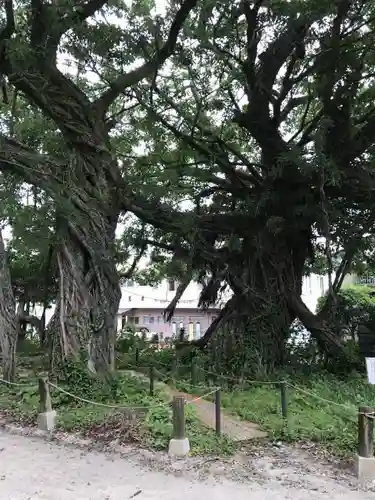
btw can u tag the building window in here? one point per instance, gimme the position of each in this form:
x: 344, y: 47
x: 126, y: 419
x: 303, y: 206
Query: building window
x: 129, y: 298
x: 123, y: 321
x: 171, y: 285
x: 197, y: 330
x: 148, y: 320
x: 134, y: 320
x: 142, y: 298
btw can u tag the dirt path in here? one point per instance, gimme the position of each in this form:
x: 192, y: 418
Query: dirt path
x: 33, y: 469
x: 233, y: 427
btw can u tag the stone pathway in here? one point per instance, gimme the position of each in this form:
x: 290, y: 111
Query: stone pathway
x: 232, y: 426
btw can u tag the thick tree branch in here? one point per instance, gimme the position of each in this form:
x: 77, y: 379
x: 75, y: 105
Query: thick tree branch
x: 34, y: 168
x: 169, y: 311
x: 210, y: 151
x: 129, y: 272
x: 148, y: 68
x: 253, y: 176
x: 327, y: 340
x: 88, y: 9
x: 9, y: 27
x: 365, y: 136
x: 224, y: 315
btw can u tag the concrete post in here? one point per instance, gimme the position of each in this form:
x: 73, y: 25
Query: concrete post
x: 179, y: 445
x: 365, y: 463
x: 47, y: 417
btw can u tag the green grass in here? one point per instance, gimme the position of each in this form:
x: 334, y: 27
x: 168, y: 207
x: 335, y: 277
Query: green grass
x: 309, y: 418
x: 314, y: 415
x: 149, y: 427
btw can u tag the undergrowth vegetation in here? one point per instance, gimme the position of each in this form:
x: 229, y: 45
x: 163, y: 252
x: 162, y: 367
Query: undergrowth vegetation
x: 139, y: 417
x: 322, y: 408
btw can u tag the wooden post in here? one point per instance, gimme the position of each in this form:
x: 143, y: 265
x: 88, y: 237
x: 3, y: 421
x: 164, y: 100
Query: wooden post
x: 217, y: 412
x: 366, y: 432
x: 44, y: 395
x: 193, y: 370
x: 136, y: 356
x: 178, y: 417
x: 284, y: 402
x: 152, y: 379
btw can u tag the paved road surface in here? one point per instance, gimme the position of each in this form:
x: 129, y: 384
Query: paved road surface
x: 33, y: 469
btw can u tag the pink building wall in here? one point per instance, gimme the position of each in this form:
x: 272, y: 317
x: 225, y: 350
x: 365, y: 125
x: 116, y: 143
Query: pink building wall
x: 152, y: 318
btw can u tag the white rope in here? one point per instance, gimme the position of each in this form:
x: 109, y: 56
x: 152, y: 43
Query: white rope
x: 13, y: 383
x: 189, y: 401
x: 239, y: 381
x: 164, y: 376
x: 116, y: 407
x: 243, y: 381
x: 321, y: 399
x: 371, y: 416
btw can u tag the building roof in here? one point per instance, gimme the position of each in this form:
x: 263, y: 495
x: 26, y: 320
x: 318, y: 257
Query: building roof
x: 160, y: 308
x: 159, y: 297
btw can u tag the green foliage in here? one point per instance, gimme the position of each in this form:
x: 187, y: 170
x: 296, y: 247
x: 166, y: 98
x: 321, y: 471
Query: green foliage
x: 354, y: 305
x: 152, y: 427
x: 128, y: 340
x: 203, y: 441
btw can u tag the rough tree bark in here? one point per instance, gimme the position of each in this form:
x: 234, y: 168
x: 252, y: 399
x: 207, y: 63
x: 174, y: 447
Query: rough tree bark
x: 88, y: 188
x: 9, y: 324
x: 89, y: 291
x: 258, y: 316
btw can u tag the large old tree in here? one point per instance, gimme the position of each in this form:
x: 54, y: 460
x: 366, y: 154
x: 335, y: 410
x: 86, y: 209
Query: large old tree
x: 268, y: 116
x: 263, y: 118
x: 84, y: 178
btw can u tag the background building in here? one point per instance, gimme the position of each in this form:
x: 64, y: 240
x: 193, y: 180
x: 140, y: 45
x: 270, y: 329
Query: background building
x: 143, y: 306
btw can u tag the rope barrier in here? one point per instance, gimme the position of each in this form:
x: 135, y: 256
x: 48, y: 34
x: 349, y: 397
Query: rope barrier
x: 104, y: 405
x: 265, y: 382
x: 241, y: 381
x: 304, y: 391
x: 164, y: 376
x: 368, y: 415
x: 188, y: 402
x: 193, y: 386
x: 15, y: 384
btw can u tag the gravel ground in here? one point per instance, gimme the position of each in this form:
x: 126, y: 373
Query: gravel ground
x: 33, y: 468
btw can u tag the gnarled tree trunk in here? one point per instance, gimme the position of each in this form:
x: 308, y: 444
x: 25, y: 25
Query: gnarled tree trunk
x: 84, y: 321
x: 87, y: 183
x: 8, y: 320
x: 253, y: 328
